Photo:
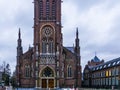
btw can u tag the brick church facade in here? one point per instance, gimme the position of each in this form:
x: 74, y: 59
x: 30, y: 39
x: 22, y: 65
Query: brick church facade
x: 48, y: 64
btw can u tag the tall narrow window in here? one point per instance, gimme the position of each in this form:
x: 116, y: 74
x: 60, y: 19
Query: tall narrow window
x: 69, y: 71
x: 47, y: 8
x: 41, y: 9
x: 53, y: 9
x: 44, y: 46
x: 51, y: 46
x: 27, y: 71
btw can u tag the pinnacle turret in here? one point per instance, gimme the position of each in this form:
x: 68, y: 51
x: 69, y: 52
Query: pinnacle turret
x: 19, y: 42
x: 77, y: 33
x: 77, y: 41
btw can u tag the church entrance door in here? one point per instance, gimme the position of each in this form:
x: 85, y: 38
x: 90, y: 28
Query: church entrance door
x: 47, y: 78
x: 51, y: 83
x: 47, y: 83
x: 44, y: 83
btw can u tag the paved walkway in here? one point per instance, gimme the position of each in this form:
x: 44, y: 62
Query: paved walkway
x: 2, y: 88
x: 6, y: 88
x: 10, y: 88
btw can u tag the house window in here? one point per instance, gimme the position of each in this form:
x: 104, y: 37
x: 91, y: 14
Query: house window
x: 117, y: 81
x: 117, y: 71
x: 113, y: 80
x: 110, y: 81
x: 113, y: 72
x: 103, y: 81
x: 109, y: 72
x: 106, y: 81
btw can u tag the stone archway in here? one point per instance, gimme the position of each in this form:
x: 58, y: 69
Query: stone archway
x: 47, y: 78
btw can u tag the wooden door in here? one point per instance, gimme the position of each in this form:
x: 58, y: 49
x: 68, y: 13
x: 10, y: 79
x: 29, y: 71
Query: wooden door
x: 44, y: 83
x: 51, y: 83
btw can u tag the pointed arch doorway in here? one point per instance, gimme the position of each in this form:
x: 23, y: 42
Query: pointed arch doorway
x: 47, y: 78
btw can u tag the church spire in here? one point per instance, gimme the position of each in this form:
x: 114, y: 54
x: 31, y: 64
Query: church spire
x: 77, y: 32
x: 19, y: 46
x: 77, y: 47
x: 78, y: 59
x: 19, y: 34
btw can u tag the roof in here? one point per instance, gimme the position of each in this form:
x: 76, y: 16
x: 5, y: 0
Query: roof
x: 70, y: 49
x: 96, y: 59
x: 108, y: 64
x: 30, y: 49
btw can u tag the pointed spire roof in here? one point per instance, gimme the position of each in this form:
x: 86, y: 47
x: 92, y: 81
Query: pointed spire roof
x: 19, y: 38
x: 19, y: 42
x: 77, y: 46
x: 19, y: 34
x: 96, y: 59
x: 77, y: 32
x: 77, y: 38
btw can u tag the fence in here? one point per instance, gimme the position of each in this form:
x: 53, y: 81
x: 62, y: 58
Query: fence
x: 56, y: 89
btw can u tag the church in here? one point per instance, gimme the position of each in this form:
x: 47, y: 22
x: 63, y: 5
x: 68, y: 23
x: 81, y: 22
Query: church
x: 48, y: 64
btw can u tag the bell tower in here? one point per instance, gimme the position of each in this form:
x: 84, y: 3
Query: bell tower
x: 47, y: 42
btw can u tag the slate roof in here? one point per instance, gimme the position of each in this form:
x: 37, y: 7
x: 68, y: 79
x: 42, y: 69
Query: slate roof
x: 70, y: 49
x: 107, y: 64
x: 96, y: 59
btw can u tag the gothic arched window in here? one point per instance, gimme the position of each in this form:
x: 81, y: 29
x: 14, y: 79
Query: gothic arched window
x: 27, y: 71
x: 40, y: 8
x: 47, y: 46
x: 47, y: 72
x: 47, y: 40
x: 44, y: 46
x: 69, y: 71
x: 50, y: 46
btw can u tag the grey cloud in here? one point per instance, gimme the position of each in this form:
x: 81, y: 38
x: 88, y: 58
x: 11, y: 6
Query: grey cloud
x: 24, y: 19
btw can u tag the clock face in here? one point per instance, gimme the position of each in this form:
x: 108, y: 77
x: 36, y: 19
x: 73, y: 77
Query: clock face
x: 47, y: 31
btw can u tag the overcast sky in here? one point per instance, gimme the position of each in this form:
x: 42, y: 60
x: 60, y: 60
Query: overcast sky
x: 98, y: 22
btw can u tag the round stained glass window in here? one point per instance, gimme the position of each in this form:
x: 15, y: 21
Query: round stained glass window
x: 47, y: 31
